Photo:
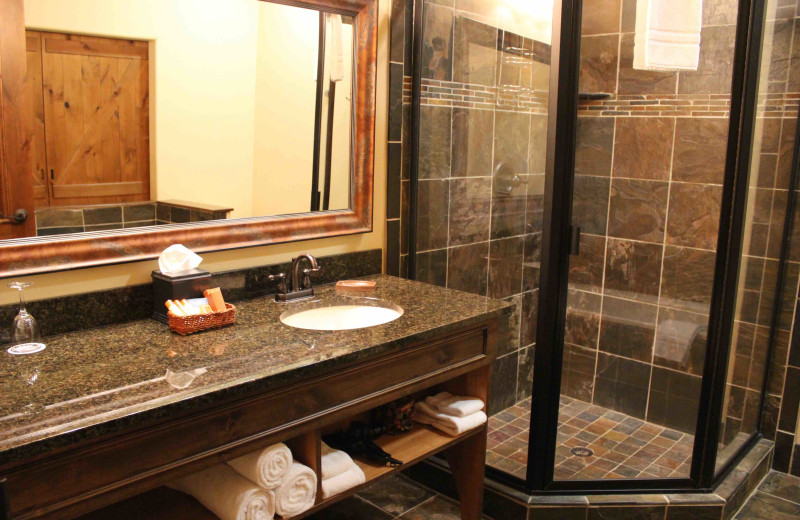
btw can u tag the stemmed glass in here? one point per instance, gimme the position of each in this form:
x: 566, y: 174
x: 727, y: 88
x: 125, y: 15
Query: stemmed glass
x: 25, y: 333
x: 25, y: 339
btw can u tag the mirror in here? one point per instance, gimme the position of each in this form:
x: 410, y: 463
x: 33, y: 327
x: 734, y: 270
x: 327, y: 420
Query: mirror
x: 215, y: 123
x: 185, y: 110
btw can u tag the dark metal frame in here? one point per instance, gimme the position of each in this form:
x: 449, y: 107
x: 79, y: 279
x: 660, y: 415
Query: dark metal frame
x: 744, y: 91
x: 413, y: 167
x: 320, y: 94
x: 561, y: 144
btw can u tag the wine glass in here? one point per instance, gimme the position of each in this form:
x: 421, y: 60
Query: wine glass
x: 25, y: 332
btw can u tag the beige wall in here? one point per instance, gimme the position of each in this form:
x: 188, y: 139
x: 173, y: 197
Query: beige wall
x: 284, y: 131
x: 233, y: 94
x: 85, y: 280
x: 202, y: 86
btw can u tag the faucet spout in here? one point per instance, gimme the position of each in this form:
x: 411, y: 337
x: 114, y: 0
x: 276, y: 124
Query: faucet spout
x: 296, y: 270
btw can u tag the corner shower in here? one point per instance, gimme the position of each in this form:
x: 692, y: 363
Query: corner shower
x: 637, y: 219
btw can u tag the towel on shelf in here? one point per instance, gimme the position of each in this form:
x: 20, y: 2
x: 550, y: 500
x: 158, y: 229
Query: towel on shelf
x: 349, y: 479
x: 455, y: 405
x: 266, y: 467
x: 339, y: 472
x: 227, y: 494
x: 298, y: 491
x: 449, y: 424
x: 667, y: 34
x: 334, y: 462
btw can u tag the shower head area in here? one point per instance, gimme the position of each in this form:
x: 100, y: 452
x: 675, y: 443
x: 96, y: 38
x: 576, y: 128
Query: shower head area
x: 633, y: 198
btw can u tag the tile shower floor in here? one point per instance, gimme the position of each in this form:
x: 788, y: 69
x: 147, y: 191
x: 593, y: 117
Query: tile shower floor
x: 622, y: 446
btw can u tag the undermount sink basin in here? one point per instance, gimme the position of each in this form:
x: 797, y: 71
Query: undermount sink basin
x: 357, y: 314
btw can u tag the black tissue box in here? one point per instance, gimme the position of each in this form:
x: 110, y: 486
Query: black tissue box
x: 184, y: 284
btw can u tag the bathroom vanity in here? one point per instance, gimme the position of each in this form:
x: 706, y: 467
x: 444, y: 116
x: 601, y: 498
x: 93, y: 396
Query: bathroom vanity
x: 114, y: 413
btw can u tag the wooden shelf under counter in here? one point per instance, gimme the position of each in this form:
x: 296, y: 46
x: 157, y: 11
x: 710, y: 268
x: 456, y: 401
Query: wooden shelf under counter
x: 122, y: 476
x: 167, y: 504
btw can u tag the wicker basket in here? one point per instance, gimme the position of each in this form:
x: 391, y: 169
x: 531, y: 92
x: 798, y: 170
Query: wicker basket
x: 184, y: 325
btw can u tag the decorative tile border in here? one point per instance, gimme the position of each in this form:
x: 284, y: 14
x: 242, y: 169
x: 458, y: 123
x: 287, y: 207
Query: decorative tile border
x: 686, y: 105
x: 466, y: 95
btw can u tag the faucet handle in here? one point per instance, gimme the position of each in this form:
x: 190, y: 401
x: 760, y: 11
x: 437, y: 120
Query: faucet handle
x: 307, y: 276
x: 281, y: 277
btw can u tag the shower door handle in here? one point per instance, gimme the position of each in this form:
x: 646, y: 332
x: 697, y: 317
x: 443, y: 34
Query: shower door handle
x: 574, y: 240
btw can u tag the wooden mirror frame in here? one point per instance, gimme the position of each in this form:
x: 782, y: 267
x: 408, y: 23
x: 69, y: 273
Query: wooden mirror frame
x: 36, y: 255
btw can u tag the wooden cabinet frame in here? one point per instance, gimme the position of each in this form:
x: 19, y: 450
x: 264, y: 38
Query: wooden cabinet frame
x: 45, y: 254
x: 99, y: 472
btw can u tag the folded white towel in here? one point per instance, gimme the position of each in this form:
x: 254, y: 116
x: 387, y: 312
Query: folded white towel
x: 227, y: 494
x: 667, y: 34
x: 455, y: 405
x: 434, y: 400
x: 266, y: 467
x: 424, y: 414
x: 349, y: 479
x: 298, y: 491
x: 334, y: 462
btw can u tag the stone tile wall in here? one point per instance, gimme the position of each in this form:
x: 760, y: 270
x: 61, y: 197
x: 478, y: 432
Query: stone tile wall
x: 648, y: 185
x: 484, y: 104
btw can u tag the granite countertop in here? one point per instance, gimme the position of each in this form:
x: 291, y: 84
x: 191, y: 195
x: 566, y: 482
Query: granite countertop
x: 100, y: 381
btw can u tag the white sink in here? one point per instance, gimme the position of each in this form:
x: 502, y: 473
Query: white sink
x: 342, y: 316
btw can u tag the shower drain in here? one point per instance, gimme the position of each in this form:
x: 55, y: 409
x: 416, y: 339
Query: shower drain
x: 582, y: 452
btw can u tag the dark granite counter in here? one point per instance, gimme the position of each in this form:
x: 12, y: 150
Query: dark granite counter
x: 100, y: 381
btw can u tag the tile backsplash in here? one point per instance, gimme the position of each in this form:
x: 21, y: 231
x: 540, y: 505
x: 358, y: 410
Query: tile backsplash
x: 61, y: 220
x: 100, y: 308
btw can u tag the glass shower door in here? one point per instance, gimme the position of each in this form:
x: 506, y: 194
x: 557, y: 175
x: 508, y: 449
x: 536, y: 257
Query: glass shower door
x: 649, y: 170
x: 484, y: 76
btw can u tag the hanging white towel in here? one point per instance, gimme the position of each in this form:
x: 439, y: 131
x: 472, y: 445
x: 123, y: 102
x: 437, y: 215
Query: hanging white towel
x: 667, y: 34
x: 298, y: 491
x: 227, y: 494
x: 265, y: 467
x: 349, y: 479
x: 337, y: 55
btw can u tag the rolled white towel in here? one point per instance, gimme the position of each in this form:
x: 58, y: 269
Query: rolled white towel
x: 460, y: 406
x: 348, y: 479
x: 266, y: 467
x: 298, y: 491
x: 227, y: 494
x: 334, y: 462
x: 451, y: 425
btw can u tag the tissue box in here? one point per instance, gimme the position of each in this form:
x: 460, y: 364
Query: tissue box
x: 177, y: 286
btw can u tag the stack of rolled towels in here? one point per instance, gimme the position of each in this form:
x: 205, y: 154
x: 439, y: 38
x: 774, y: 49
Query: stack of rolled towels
x: 255, y: 486
x: 450, y: 413
x: 339, y: 472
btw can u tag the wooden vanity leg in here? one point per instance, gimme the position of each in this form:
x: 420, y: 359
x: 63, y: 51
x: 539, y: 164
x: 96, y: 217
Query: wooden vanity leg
x: 467, y: 461
x: 5, y: 507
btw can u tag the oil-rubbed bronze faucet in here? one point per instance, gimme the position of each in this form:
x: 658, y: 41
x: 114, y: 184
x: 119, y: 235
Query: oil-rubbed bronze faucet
x: 297, y: 290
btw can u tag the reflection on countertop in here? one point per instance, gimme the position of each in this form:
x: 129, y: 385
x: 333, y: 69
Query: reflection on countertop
x: 96, y: 382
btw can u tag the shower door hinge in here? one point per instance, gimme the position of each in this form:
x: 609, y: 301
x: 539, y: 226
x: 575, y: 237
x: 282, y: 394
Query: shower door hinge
x: 575, y: 240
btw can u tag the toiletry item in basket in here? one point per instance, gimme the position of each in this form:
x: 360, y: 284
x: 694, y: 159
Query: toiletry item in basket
x: 215, y: 299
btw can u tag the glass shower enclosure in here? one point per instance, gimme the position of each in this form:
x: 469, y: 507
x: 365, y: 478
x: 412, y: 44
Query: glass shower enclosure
x: 635, y: 219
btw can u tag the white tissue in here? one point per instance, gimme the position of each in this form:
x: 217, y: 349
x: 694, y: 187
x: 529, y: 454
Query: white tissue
x: 177, y: 258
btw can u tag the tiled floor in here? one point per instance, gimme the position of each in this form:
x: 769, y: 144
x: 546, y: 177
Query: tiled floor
x: 395, y: 497
x: 622, y: 446
x: 777, y: 498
